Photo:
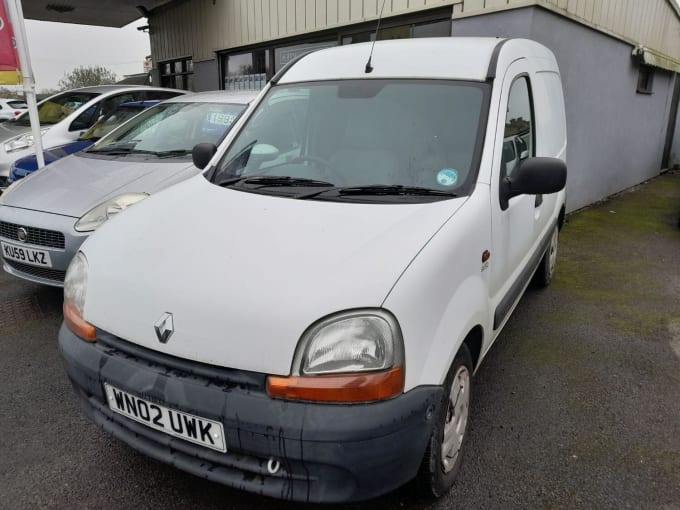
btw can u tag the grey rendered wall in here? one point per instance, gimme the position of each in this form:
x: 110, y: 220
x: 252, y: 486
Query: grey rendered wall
x: 615, y: 135
x: 206, y: 76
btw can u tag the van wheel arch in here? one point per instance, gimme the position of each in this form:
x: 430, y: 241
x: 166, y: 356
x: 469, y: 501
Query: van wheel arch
x: 474, y: 341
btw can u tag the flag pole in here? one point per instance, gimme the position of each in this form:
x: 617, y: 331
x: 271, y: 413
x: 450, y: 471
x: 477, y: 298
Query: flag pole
x: 16, y: 14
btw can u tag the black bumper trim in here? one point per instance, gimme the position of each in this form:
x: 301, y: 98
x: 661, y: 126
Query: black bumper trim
x: 328, y: 452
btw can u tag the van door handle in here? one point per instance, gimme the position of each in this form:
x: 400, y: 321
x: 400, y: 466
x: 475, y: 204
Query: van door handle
x: 539, y: 200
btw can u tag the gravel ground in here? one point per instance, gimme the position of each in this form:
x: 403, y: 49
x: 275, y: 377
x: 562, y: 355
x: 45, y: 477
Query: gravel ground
x: 576, y: 406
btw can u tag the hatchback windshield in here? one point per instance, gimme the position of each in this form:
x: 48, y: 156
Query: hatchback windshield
x: 358, y: 138
x: 57, y: 108
x: 171, y: 129
x: 116, y: 118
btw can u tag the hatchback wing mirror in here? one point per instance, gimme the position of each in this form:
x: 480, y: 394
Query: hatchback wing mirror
x: 534, y: 176
x: 202, y: 153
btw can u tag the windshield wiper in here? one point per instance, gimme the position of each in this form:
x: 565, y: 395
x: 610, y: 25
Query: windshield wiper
x: 114, y: 149
x: 123, y: 150
x: 265, y: 181
x: 381, y: 189
x: 172, y: 153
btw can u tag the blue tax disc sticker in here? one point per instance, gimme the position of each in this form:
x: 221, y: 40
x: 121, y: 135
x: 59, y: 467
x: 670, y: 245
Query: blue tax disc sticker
x: 447, y: 177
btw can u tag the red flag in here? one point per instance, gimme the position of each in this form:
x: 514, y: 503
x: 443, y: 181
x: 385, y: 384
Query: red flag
x: 10, y: 70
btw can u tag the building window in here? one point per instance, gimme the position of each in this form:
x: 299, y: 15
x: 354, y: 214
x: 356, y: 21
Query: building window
x: 177, y: 74
x: 645, y: 79
x: 247, y: 71
x: 284, y: 54
x: 252, y: 68
x: 436, y: 28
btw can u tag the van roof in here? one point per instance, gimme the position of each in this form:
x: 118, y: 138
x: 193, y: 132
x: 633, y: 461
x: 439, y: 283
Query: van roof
x: 461, y: 58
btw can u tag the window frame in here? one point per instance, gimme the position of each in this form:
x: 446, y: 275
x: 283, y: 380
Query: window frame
x: 168, y: 79
x: 502, y: 174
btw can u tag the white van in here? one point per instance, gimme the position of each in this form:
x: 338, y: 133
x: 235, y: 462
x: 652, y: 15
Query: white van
x: 304, y: 318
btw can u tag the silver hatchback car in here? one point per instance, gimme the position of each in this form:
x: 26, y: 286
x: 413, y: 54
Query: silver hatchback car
x: 45, y: 217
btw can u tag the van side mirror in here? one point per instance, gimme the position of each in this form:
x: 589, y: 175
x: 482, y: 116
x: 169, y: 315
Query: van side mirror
x: 534, y: 176
x: 202, y: 153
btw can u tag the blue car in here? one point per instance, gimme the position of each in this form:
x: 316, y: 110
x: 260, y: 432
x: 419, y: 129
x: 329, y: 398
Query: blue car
x: 28, y: 164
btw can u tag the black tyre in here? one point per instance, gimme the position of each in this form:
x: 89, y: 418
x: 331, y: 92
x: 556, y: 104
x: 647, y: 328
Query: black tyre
x: 444, y: 453
x: 546, y: 269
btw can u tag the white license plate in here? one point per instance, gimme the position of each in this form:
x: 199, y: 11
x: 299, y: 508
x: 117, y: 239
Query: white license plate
x: 26, y: 255
x: 187, y: 426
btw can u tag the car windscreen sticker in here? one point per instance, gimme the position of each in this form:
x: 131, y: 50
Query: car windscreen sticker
x: 221, y: 119
x: 447, y: 177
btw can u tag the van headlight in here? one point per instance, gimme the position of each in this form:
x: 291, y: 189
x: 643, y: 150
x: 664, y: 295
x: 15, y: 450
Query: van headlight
x: 22, y: 141
x: 93, y: 219
x: 354, y: 356
x: 75, y: 289
x: 348, y: 344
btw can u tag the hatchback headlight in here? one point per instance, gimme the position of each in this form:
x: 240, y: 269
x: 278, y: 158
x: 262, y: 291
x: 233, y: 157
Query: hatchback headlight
x: 94, y: 218
x: 355, y: 356
x: 75, y: 290
x: 22, y: 141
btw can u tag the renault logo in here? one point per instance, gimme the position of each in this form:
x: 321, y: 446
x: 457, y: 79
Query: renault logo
x: 164, y: 328
x: 22, y: 234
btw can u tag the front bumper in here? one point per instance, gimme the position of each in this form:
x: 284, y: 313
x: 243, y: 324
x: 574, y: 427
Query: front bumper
x: 328, y: 453
x: 60, y: 257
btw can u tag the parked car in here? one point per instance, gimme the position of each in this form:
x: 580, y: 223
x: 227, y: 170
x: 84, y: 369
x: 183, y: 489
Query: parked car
x: 11, y: 108
x: 304, y: 318
x: 124, y: 112
x: 66, y: 116
x: 45, y: 217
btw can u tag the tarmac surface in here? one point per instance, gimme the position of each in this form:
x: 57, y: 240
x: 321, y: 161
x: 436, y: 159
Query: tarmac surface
x: 576, y: 406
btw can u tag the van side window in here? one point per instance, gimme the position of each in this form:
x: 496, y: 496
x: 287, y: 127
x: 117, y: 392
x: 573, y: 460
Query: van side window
x: 518, y: 140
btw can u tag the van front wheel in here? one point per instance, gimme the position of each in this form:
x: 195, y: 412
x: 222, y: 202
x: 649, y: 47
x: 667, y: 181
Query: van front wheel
x: 444, y: 453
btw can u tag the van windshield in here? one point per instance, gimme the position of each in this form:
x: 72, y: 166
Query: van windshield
x: 419, y: 140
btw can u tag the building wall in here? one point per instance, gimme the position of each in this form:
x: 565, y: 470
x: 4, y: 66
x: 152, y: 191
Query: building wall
x: 616, y: 136
x: 198, y: 28
x: 651, y: 23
